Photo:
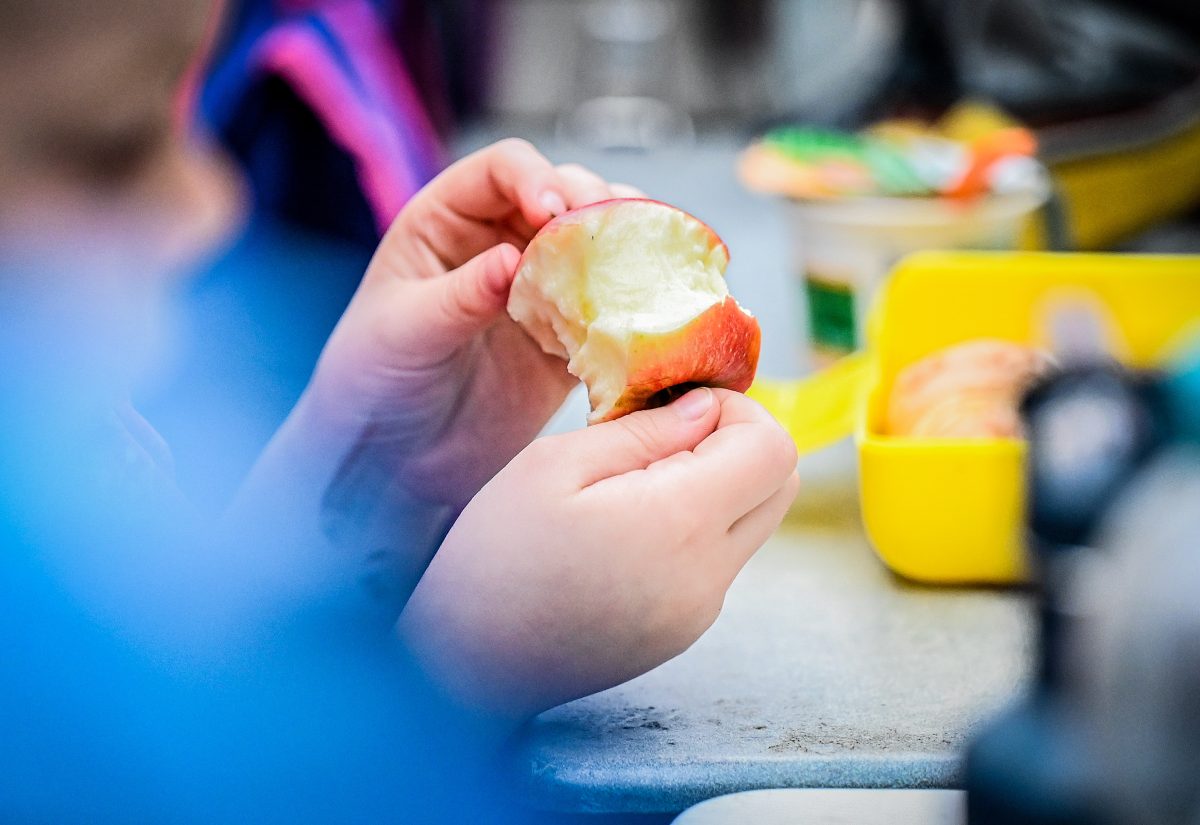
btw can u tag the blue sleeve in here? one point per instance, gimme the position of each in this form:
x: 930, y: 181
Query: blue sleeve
x: 141, y: 682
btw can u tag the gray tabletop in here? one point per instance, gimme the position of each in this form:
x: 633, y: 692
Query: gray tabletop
x: 823, y: 670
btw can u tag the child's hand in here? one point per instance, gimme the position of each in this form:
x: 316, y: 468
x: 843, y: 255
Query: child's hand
x: 425, y: 364
x: 597, y: 555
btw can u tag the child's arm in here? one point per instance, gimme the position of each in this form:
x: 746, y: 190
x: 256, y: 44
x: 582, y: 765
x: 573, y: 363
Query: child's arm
x: 426, y: 388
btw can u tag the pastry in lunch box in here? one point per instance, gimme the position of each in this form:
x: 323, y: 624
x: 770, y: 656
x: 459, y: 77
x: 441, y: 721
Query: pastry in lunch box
x: 970, y: 390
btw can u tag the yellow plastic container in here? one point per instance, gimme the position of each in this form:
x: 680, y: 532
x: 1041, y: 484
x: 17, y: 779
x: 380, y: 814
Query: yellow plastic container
x: 951, y: 511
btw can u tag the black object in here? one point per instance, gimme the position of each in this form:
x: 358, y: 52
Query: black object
x: 1091, y: 428
x: 1050, y: 61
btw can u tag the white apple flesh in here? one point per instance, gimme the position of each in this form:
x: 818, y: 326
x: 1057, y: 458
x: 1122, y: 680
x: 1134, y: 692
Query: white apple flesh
x: 631, y: 293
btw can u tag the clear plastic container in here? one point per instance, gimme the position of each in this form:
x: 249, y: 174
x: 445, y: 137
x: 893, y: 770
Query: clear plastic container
x: 844, y: 249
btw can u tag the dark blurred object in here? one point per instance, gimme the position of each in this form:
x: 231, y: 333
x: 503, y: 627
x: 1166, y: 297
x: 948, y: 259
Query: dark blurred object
x: 1141, y: 648
x: 1112, y: 88
x: 1050, y: 61
x: 1089, y: 429
x: 330, y: 109
x: 465, y: 37
x: 1107, y: 734
x: 735, y: 28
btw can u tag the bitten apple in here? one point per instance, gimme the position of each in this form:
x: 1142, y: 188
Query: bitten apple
x: 632, y: 293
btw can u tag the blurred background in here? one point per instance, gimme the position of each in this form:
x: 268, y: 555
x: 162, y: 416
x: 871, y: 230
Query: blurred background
x: 336, y: 111
x: 665, y: 93
x: 823, y: 140
x: 1093, y: 78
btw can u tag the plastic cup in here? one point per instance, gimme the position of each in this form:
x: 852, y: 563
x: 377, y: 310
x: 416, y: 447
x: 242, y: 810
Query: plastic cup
x: 845, y: 248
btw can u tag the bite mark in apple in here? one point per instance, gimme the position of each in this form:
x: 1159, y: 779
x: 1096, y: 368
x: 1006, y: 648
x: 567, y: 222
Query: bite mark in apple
x: 632, y: 294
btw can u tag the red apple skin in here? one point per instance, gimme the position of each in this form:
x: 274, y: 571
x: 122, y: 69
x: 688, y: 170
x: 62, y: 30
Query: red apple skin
x: 719, y: 348
x: 578, y: 216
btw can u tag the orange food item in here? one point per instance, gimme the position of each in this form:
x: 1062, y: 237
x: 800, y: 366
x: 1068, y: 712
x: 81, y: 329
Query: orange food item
x: 971, y: 390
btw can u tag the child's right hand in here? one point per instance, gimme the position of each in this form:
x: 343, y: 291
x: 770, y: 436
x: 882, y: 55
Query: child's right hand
x: 597, y: 555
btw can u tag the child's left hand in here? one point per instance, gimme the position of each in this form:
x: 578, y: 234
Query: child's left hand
x: 426, y: 364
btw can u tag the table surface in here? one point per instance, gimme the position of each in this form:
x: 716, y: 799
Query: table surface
x: 823, y: 669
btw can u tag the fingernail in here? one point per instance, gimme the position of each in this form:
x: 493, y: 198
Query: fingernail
x: 695, y: 404
x: 501, y: 274
x: 552, y: 202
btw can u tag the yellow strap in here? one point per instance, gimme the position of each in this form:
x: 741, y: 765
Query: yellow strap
x: 821, y: 409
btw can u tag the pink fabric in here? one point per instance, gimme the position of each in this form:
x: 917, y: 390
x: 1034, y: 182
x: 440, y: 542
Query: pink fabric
x: 376, y: 60
x: 296, y: 53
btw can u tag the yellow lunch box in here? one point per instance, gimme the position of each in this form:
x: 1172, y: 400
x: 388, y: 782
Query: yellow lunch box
x: 952, y: 510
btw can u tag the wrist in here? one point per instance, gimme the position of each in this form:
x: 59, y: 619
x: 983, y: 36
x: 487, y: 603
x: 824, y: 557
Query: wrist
x: 326, y: 479
x: 328, y: 411
x: 472, y: 680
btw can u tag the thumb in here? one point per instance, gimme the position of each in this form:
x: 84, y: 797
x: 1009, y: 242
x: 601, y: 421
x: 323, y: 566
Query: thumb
x: 464, y: 302
x: 635, y: 441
